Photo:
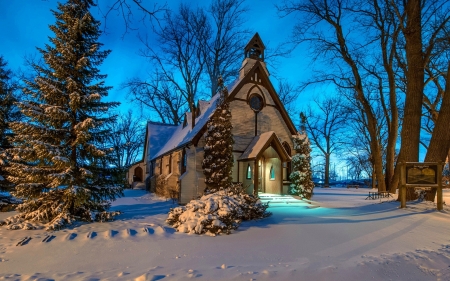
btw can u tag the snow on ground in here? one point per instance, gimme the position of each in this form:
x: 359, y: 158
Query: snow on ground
x: 336, y: 236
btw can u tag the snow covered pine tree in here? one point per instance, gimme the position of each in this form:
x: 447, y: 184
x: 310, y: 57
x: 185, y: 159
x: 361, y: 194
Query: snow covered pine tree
x: 218, y: 158
x: 56, y: 164
x: 8, y: 112
x: 301, y: 177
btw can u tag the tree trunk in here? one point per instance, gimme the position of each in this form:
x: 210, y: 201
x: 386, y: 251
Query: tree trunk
x: 327, y: 170
x: 440, y: 139
x: 410, y: 134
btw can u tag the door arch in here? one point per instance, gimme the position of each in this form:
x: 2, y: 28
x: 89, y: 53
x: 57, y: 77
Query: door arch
x: 138, y: 174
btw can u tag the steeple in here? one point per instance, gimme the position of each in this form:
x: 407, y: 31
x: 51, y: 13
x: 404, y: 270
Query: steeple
x: 255, y: 48
x: 254, y: 53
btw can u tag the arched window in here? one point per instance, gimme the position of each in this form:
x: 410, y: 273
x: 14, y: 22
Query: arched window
x: 249, y: 172
x: 286, y: 165
x: 272, y: 173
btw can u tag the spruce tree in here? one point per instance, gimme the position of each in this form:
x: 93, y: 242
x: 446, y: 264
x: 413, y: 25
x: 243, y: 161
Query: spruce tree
x: 57, y: 164
x: 8, y: 113
x: 301, y: 177
x: 218, y: 151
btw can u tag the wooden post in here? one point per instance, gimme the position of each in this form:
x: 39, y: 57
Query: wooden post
x: 255, y: 177
x: 281, y: 176
x: 440, y: 205
x: 403, y: 185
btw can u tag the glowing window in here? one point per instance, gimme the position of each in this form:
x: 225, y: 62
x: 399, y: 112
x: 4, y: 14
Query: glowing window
x: 249, y: 172
x: 272, y: 173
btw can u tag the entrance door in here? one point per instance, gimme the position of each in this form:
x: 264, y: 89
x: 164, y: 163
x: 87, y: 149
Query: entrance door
x: 138, y: 174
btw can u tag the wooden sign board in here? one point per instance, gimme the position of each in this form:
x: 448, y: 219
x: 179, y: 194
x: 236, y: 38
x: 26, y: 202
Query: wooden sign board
x: 427, y: 174
x: 421, y: 174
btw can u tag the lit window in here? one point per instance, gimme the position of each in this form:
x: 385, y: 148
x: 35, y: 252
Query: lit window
x: 249, y: 172
x: 272, y: 173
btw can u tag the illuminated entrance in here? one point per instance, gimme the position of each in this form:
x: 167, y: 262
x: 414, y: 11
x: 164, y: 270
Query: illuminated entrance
x: 263, y: 163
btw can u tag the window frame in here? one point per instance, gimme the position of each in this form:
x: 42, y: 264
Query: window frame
x: 248, y: 174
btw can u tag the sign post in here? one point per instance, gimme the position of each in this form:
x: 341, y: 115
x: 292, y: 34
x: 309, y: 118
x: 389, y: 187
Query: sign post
x: 421, y: 174
x: 403, y: 185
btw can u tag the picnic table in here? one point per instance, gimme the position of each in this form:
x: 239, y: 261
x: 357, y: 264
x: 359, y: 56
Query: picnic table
x: 372, y: 195
x: 378, y: 195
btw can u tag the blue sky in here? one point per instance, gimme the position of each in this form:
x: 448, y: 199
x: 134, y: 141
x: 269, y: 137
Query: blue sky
x: 24, y: 26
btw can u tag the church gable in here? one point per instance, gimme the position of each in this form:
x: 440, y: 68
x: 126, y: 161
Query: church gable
x: 257, y: 80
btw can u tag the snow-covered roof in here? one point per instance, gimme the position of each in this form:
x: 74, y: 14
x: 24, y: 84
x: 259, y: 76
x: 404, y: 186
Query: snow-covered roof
x: 260, y: 143
x: 182, y: 135
x: 158, y: 135
x: 168, y: 138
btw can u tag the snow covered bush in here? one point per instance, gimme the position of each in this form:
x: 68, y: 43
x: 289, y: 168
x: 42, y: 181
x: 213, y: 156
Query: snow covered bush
x: 218, y: 212
x: 301, y: 176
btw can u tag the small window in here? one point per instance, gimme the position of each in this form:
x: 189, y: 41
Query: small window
x: 272, y: 173
x: 170, y: 164
x: 183, y: 161
x: 152, y: 168
x: 249, y: 172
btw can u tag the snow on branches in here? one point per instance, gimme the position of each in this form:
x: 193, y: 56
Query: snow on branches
x: 218, y: 157
x: 219, y: 212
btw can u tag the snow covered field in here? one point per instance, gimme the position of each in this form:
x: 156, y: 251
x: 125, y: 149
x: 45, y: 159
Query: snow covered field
x: 339, y: 236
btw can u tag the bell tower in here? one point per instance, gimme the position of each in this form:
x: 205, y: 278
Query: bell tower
x: 255, y: 48
x: 253, y: 52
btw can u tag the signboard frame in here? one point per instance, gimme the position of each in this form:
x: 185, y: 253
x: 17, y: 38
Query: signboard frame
x: 421, y: 174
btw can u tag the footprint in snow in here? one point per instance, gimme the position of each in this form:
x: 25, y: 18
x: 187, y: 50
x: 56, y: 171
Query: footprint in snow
x: 111, y: 233
x: 91, y: 234
x: 150, y: 277
x: 149, y: 230
x: 71, y: 236
x: 48, y: 238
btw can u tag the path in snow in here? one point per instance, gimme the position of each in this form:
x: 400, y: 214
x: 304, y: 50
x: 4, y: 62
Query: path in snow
x: 336, y: 236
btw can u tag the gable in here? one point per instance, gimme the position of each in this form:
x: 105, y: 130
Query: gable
x: 258, y: 76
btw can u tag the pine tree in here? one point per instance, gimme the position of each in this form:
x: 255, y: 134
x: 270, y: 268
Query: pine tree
x: 8, y: 113
x: 301, y: 177
x: 218, y: 158
x: 57, y: 164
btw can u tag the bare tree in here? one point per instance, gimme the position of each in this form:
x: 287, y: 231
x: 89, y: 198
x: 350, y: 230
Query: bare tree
x: 194, y: 46
x: 325, y: 127
x: 342, y: 55
x: 224, y: 40
x: 381, y: 42
x: 132, y: 11
x: 288, y: 94
x: 179, y: 57
x: 126, y: 138
x: 159, y: 96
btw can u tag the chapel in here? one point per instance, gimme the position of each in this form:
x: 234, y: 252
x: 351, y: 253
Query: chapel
x: 262, y: 130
